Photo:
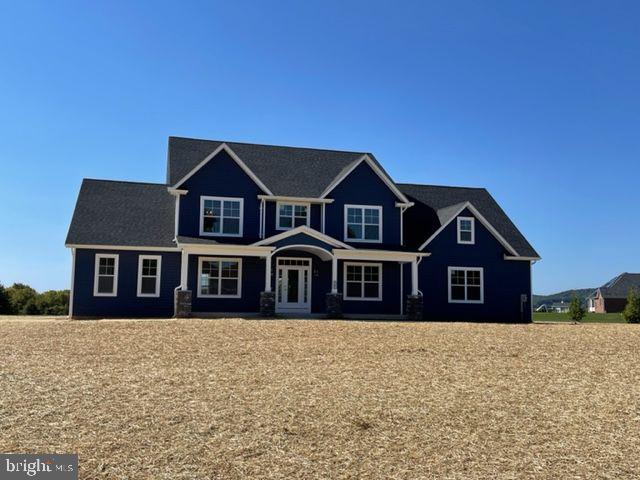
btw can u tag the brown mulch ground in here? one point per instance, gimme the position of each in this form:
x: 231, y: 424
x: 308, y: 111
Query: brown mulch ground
x: 196, y: 399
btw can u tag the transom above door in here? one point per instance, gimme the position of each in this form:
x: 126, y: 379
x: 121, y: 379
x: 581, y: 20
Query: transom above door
x: 293, y: 285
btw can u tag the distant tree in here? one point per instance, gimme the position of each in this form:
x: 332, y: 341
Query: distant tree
x: 53, y: 302
x: 19, y: 296
x: 631, y: 312
x: 576, y: 309
x: 5, y: 308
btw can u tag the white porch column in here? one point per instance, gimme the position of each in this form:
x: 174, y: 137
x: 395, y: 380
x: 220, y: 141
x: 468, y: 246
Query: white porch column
x: 334, y: 275
x: 414, y: 277
x: 267, y: 273
x: 184, y: 264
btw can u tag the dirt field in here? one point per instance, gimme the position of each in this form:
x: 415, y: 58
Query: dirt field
x: 323, y: 399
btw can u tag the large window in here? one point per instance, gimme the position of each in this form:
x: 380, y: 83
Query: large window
x: 221, y: 216
x: 292, y: 215
x: 149, y: 275
x: 466, y: 230
x: 362, y: 223
x: 219, y: 277
x: 105, y: 281
x: 362, y: 281
x: 466, y: 285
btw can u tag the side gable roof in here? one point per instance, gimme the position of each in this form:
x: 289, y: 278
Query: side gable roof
x: 315, y: 169
x: 124, y: 214
x: 619, y: 286
x: 433, y: 204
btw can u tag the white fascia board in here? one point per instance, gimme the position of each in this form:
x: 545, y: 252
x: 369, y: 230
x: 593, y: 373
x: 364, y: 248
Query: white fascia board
x: 524, y: 259
x: 383, y: 176
x: 235, y: 157
x: 177, y: 191
x: 404, y: 205
x: 484, y: 222
x: 282, y: 198
x: 122, y: 247
x: 307, y: 231
x: 238, y: 250
x: 379, y: 255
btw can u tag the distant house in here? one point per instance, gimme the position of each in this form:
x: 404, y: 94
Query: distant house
x: 612, y: 296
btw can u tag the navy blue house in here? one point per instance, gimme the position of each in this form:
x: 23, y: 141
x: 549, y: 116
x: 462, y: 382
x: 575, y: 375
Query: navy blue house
x: 243, y: 229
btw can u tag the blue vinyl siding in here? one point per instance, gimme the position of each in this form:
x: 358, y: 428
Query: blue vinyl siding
x: 252, y: 285
x: 126, y: 303
x: 220, y: 177
x: 364, y: 187
x: 504, y: 280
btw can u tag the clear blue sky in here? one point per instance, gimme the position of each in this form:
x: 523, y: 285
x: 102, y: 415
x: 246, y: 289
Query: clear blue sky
x: 537, y: 101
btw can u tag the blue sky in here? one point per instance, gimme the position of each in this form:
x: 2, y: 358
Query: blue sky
x: 537, y: 101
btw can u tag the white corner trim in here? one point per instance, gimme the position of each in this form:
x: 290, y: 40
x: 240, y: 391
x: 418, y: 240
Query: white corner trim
x: 203, y: 198
x: 484, y: 222
x: 472, y: 220
x: 466, y: 269
x: 293, y: 216
x: 362, y: 207
x: 235, y: 157
x: 383, y: 176
x: 158, y: 259
x: 219, y: 259
x: 362, y: 282
x: 96, y: 271
x: 307, y: 231
x: 73, y: 281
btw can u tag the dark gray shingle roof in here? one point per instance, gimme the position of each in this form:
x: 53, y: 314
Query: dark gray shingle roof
x: 314, y: 169
x: 434, y: 203
x: 619, y: 286
x: 123, y: 213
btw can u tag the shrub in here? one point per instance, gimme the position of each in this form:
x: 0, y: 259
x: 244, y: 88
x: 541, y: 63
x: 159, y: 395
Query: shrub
x: 576, y: 309
x: 19, y: 296
x: 631, y: 312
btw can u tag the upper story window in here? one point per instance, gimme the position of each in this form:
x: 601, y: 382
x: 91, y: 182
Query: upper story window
x: 219, y: 277
x: 105, y: 281
x: 466, y: 230
x: 221, y: 216
x: 292, y: 215
x: 149, y: 275
x: 363, y: 223
x: 466, y: 285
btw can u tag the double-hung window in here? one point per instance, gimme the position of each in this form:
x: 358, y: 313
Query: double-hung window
x: 363, y: 223
x: 219, y: 277
x: 105, y: 281
x: 362, y: 281
x: 466, y: 230
x: 292, y: 215
x: 221, y: 216
x: 149, y: 275
x: 466, y: 285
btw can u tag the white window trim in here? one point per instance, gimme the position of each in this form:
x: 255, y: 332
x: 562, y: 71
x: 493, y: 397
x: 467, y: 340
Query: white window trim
x: 115, y: 274
x: 362, y: 240
x: 473, y: 231
x: 221, y: 199
x: 278, y: 204
x: 219, y: 259
x: 466, y: 269
x: 158, y: 259
x: 362, y: 299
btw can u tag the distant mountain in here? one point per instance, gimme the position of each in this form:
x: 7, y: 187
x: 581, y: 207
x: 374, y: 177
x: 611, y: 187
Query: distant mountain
x: 566, y: 296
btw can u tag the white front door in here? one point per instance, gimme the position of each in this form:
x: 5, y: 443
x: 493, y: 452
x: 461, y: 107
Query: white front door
x: 293, y: 285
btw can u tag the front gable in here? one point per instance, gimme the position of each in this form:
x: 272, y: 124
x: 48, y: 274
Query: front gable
x: 220, y: 176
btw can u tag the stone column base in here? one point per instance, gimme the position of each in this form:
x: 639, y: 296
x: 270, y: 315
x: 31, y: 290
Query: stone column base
x: 414, y: 307
x: 334, y: 305
x: 183, y: 303
x: 267, y: 304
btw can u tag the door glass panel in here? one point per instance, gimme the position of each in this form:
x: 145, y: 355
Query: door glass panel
x: 292, y: 286
x: 305, y: 286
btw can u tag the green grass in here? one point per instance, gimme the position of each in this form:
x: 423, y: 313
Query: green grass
x: 590, y: 318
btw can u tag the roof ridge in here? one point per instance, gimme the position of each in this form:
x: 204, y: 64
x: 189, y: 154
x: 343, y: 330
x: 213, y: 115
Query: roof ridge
x: 437, y: 186
x: 272, y: 145
x: 123, y: 181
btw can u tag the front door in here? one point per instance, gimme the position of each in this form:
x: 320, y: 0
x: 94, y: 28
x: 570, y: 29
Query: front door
x: 293, y: 285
